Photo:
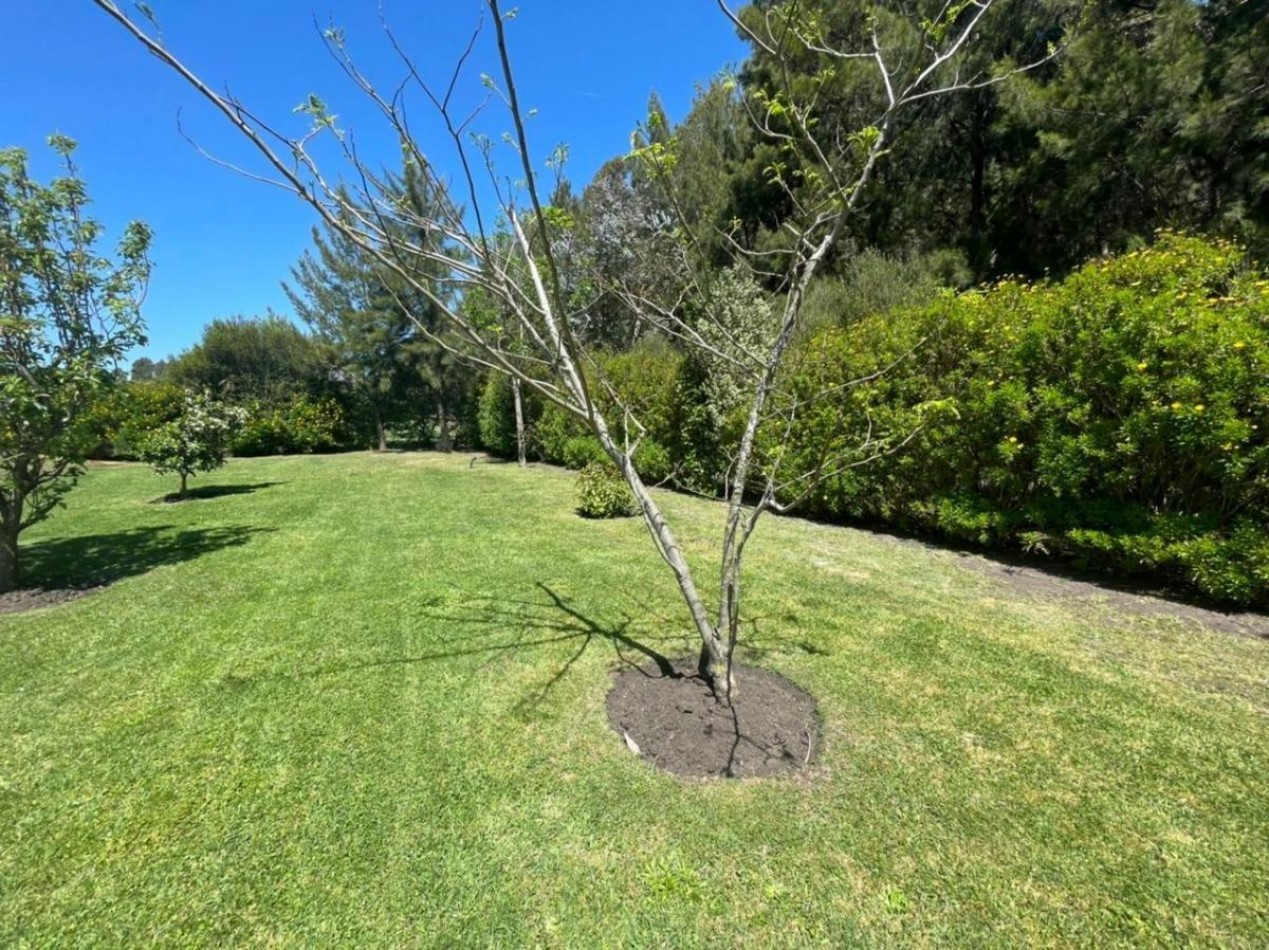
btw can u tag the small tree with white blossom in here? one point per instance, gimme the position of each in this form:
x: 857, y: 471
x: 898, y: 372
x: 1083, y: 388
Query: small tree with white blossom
x: 195, y: 441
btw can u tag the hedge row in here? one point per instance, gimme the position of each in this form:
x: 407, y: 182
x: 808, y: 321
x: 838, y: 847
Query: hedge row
x: 302, y: 424
x: 1118, y: 418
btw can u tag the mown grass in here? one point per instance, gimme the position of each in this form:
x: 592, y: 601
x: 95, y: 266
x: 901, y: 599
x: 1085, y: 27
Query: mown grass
x: 343, y: 706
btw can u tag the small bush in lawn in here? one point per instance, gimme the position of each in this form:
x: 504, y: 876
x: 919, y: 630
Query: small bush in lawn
x: 195, y: 441
x: 603, y: 493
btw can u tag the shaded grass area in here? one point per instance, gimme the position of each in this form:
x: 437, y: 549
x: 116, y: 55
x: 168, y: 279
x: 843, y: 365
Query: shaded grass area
x: 367, y: 706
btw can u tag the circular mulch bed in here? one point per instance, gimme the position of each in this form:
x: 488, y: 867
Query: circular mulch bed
x: 16, y: 601
x: 673, y: 720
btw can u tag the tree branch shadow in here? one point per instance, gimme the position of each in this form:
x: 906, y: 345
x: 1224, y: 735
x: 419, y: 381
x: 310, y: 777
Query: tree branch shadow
x: 97, y: 559
x: 533, y: 624
x: 761, y: 643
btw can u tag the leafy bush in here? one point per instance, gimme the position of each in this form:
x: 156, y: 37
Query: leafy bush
x: 645, y: 379
x: 871, y: 282
x: 582, y: 450
x: 264, y: 433
x: 553, y: 430
x: 603, y: 493
x: 127, y: 413
x: 653, y: 461
x: 1116, y: 417
x: 315, y: 425
x: 303, y: 425
x: 497, y: 415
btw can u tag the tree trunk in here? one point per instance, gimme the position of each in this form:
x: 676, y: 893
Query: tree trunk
x: 442, y: 420
x: 519, y: 403
x: 184, y: 479
x: 715, y: 660
x: 980, y: 128
x: 8, y: 558
x: 381, y: 434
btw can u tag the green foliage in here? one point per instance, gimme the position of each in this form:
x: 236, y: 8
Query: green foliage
x: 68, y: 315
x: 554, y: 430
x: 653, y: 461
x: 1151, y: 115
x: 581, y: 451
x: 1178, y: 94
x: 1118, y: 416
x: 736, y: 321
x: 300, y: 426
x: 603, y: 493
x: 873, y: 282
x: 195, y: 441
x: 128, y: 412
x: 267, y: 358
x: 497, y: 416
x: 643, y: 376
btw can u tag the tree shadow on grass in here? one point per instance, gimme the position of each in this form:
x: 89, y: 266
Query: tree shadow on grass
x: 97, y: 559
x: 494, y: 627
x: 757, y: 643
x: 212, y: 491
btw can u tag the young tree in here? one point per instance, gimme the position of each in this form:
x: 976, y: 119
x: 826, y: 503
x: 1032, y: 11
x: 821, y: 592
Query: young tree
x: 195, y: 441
x: 823, y: 177
x: 67, y: 316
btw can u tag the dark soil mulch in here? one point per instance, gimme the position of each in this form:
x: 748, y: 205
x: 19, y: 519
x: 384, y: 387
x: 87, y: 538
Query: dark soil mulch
x: 674, y: 721
x: 16, y: 601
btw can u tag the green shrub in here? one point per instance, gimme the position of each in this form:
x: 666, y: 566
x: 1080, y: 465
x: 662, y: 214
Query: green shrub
x: 553, y: 429
x: 603, y: 493
x: 497, y: 416
x: 127, y: 413
x: 645, y: 377
x: 315, y: 425
x: 871, y: 282
x: 303, y: 425
x: 1118, y: 416
x: 653, y: 461
x: 264, y: 433
x: 580, y: 451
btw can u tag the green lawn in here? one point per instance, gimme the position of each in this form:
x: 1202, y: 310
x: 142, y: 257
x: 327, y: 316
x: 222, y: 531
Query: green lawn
x: 344, y: 708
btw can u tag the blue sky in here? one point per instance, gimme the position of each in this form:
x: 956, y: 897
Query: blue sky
x: 223, y: 243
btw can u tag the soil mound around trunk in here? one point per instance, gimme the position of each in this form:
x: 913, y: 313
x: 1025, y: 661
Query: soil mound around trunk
x: 23, y: 599
x: 673, y: 720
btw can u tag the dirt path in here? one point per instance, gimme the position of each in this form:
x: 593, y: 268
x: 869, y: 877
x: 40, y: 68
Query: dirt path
x: 1043, y: 582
